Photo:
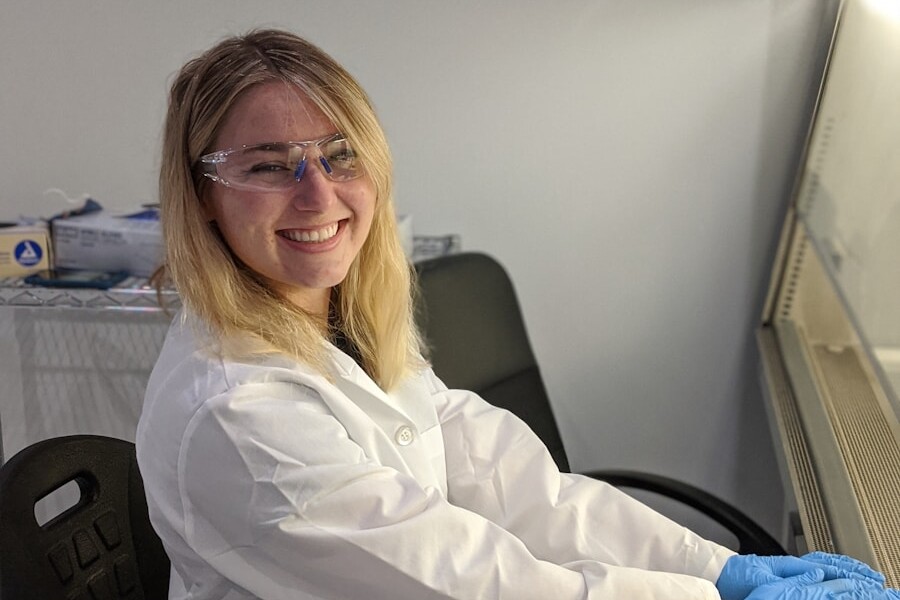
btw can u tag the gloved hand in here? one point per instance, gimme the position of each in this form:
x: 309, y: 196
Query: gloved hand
x: 744, y: 573
x: 810, y: 586
x: 847, y: 567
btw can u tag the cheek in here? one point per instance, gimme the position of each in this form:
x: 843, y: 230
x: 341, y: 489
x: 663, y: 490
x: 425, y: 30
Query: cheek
x: 230, y: 228
x: 229, y: 212
x: 363, y: 202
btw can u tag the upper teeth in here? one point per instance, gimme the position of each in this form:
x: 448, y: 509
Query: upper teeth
x: 319, y: 235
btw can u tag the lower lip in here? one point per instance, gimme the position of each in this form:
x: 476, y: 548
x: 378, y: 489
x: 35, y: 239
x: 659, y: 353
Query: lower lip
x: 317, y: 247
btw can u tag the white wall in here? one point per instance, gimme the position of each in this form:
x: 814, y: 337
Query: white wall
x: 628, y: 161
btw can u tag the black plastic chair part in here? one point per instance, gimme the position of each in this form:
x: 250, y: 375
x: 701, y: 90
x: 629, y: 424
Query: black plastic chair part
x: 470, y: 316
x: 103, y: 547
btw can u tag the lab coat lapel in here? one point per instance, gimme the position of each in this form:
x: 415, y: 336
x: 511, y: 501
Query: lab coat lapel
x: 406, y: 407
x: 408, y: 404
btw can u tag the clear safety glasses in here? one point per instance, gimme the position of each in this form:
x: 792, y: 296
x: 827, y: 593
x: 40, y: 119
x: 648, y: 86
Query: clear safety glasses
x: 277, y: 166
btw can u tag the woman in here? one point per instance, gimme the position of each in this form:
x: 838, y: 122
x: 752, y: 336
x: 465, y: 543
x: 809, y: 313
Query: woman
x: 294, y: 444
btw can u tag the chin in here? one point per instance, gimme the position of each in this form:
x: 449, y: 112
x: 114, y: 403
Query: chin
x: 322, y: 280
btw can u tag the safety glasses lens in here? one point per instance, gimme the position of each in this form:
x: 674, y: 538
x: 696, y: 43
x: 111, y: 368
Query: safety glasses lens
x: 278, y: 166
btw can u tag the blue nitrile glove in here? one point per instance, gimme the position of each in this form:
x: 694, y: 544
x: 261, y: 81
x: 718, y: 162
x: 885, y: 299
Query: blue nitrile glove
x: 847, y: 567
x: 810, y: 586
x: 781, y: 588
x: 744, y: 573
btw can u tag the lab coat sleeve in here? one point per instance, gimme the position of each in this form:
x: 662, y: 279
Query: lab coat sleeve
x: 282, y: 502
x: 497, y: 467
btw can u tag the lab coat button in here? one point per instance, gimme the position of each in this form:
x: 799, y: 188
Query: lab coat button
x: 404, y: 436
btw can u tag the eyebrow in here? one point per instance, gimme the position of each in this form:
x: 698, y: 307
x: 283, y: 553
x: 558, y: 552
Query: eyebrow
x: 272, y: 146
x: 265, y: 147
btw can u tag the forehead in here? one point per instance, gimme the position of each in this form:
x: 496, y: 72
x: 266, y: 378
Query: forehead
x: 272, y: 112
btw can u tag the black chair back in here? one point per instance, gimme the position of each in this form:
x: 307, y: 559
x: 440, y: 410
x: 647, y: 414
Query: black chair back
x: 470, y: 316
x: 101, y: 548
x: 473, y: 325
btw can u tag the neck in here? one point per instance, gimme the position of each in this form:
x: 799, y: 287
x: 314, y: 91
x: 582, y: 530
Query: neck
x: 315, y: 302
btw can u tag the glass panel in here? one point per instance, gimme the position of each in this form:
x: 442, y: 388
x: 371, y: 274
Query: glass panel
x: 849, y: 195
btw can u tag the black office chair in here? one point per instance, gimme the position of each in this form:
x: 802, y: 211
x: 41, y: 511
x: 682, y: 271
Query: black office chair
x: 101, y: 548
x: 468, y: 311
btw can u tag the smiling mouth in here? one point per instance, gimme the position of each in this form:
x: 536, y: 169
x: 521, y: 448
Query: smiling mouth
x: 310, y: 236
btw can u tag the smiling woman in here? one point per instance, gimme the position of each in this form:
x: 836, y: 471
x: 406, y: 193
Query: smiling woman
x: 294, y: 443
x: 237, y: 249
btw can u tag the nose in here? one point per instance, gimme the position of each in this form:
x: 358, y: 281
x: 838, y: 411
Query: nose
x: 313, y: 190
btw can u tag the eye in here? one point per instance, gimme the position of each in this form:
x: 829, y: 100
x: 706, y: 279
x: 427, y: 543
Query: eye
x: 343, y: 157
x: 267, y: 167
x: 269, y: 160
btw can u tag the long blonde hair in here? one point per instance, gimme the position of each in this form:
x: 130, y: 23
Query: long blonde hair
x: 373, y: 306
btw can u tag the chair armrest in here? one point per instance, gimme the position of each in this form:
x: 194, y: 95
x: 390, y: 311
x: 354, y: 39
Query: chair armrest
x: 752, y: 539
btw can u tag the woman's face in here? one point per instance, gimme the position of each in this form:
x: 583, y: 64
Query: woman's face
x: 301, y: 240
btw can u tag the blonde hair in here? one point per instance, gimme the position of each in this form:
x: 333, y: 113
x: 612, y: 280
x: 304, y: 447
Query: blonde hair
x: 373, y: 306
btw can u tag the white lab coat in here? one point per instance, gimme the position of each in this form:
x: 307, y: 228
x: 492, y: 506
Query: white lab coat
x: 266, y: 480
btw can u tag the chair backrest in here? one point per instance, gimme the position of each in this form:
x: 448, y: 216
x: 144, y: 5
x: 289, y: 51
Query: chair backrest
x: 102, y: 547
x: 470, y: 316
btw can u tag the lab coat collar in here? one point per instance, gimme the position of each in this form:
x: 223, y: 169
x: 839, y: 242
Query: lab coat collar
x: 407, y: 402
